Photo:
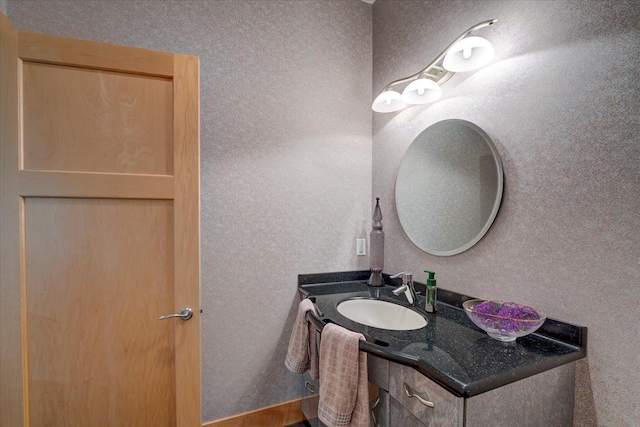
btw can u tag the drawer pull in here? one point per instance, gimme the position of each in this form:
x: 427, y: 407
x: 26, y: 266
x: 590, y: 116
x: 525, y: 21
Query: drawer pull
x: 373, y: 412
x: 411, y: 393
x: 309, y: 387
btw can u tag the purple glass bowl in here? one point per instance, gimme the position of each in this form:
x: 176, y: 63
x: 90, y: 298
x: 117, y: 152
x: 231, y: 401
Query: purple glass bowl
x: 502, y: 328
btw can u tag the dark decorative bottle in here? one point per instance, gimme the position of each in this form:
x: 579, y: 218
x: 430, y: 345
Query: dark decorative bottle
x: 431, y: 304
x: 377, y: 248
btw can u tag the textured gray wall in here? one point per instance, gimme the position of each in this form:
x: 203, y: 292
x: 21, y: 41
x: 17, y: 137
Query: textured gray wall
x: 286, y: 160
x: 281, y: 194
x: 3, y: 6
x: 560, y: 100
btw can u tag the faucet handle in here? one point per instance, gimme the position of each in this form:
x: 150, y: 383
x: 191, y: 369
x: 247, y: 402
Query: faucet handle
x: 406, y: 287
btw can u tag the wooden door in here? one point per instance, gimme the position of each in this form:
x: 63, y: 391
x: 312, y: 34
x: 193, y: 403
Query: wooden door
x: 99, y: 156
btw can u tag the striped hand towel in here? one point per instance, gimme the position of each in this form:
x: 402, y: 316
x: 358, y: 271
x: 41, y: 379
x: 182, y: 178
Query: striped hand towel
x: 302, y: 354
x: 344, y: 392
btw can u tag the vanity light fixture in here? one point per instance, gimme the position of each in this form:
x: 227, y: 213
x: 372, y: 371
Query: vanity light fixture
x: 464, y: 54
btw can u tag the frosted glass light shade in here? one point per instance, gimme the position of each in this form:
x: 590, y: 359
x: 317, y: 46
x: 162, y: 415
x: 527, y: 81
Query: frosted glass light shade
x: 421, y: 91
x: 388, y: 102
x: 468, y: 54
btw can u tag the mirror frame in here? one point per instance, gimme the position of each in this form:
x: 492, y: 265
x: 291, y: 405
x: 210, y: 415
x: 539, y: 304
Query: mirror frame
x: 496, y: 203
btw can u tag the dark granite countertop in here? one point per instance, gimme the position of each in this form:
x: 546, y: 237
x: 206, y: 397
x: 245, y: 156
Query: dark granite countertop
x: 450, y: 350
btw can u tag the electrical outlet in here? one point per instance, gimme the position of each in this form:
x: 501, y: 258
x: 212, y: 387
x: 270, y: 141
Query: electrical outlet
x: 361, y: 246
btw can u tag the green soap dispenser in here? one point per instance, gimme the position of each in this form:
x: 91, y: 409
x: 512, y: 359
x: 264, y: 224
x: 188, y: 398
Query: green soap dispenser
x: 431, y: 304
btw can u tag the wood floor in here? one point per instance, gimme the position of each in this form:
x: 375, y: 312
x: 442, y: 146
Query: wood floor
x: 281, y: 414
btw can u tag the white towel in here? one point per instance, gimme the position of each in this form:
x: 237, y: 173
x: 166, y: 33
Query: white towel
x: 344, y: 392
x: 302, y: 354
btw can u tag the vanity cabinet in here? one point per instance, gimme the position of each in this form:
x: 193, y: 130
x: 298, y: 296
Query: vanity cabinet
x: 542, y: 400
x: 430, y: 403
x: 450, y: 373
x: 407, y: 398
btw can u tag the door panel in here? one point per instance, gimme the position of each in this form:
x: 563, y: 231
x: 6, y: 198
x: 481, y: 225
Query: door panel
x: 100, y: 234
x: 92, y: 325
x: 109, y: 122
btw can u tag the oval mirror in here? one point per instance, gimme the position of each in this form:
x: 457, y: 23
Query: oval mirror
x: 449, y: 187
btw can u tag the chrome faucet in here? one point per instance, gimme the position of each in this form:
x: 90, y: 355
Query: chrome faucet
x: 406, y: 287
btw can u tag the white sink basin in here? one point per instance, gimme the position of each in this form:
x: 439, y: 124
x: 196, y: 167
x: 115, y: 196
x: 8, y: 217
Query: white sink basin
x: 381, y: 314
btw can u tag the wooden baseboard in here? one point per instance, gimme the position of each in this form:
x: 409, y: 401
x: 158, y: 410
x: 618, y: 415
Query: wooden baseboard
x: 278, y: 415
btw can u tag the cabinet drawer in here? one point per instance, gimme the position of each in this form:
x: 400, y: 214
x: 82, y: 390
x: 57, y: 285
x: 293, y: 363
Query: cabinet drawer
x: 400, y: 416
x: 447, y: 410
